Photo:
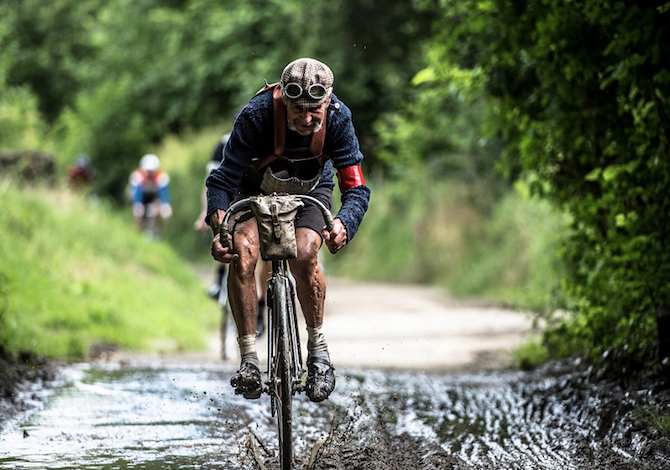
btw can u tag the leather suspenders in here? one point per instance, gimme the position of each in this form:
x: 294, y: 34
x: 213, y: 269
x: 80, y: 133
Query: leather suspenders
x: 279, y: 110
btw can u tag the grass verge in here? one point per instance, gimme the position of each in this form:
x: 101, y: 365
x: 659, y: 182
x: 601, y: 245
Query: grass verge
x: 75, y: 273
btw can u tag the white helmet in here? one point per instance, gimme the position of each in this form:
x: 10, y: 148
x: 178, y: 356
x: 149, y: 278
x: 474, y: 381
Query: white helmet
x: 150, y: 162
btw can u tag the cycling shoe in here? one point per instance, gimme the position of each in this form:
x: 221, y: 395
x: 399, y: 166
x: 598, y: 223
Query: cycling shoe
x: 247, y: 381
x: 320, y: 378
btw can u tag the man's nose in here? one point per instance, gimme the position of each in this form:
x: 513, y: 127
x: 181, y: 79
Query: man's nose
x: 307, y: 117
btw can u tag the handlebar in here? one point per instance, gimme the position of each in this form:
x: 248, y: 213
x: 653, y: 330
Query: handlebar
x: 224, y: 230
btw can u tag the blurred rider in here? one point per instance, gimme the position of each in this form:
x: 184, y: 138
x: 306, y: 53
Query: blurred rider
x: 150, y: 191
x: 219, y: 286
x: 292, y: 137
x: 81, y: 173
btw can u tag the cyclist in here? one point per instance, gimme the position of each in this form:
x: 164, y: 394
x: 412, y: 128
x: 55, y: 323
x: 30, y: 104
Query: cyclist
x: 313, y: 137
x: 81, y: 173
x: 221, y: 271
x: 149, y: 189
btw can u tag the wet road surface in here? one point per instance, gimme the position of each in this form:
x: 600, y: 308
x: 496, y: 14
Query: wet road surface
x: 178, y: 416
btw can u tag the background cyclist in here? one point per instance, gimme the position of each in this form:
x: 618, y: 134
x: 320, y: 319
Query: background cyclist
x: 218, y: 286
x: 150, y: 191
x: 81, y: 173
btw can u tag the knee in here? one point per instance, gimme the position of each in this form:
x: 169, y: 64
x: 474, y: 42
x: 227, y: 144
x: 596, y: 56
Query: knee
x: 247, y: 248
x: 307, y: 260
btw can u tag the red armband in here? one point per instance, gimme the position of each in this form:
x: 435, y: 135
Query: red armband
x: 350, y: 177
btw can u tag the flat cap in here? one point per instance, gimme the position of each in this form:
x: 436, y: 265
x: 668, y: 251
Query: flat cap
x: 307, y: 72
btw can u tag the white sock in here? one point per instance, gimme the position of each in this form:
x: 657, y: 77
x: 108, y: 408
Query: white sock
x: 248, y: 349
x: 316, y: 344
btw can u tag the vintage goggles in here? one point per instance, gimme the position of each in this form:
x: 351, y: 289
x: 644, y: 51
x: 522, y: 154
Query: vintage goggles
x: 294, y: 91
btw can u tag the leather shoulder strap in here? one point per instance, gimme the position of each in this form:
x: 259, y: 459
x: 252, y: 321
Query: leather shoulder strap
x: 279, y: 112
x: 318, y: 138
x: 280, y: 121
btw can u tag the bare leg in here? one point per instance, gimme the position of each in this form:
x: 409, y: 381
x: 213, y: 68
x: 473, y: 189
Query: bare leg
x: 311, y: 287
x: 242, y: 279
x: 262, y: 275
x: 310, y: 281
x: 244, y: 305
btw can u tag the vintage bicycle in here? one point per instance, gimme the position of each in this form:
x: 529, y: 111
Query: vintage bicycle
x: 275, y: 216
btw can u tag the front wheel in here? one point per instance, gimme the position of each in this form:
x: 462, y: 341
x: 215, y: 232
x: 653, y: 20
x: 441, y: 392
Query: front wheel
x: 284, y: 378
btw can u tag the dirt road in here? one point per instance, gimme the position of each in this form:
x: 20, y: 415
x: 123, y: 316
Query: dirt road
x: 408, y: 327
x: 370, y: 325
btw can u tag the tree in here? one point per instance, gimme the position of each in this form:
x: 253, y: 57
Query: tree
x: 154, y: 67
x: 48, y: 46
x: 580, y: 92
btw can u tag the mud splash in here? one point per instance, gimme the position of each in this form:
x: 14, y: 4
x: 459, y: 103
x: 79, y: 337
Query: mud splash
x: 509, y: 420
x: 186, y: 416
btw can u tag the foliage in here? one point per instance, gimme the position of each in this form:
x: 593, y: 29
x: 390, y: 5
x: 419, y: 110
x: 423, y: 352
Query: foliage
x: 117, y: 77
x: 432, y: 233
x: 108, y: 131
x: 73, y: 274
x: 19, y: 118
x: 530, y: 354
x: 512, y: 255
x: 580, y: 92
x: 47, y: 46
x: 439, y: 131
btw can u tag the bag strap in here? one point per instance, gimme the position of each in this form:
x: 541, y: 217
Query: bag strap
x: 279, y: 112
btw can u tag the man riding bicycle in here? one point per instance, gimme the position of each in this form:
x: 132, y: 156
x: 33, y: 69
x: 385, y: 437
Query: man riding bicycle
x: 290, y: 138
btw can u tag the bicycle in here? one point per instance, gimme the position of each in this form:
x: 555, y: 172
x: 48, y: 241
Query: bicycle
x: 150, y: 221
x: 285, y: 368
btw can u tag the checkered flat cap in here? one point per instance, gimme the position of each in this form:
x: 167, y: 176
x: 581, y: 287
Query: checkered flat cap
x: 307, y: 72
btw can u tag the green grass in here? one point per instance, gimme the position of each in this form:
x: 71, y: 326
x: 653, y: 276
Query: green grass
x: 657, y: 417
x: 511, y: 256
x: 431, y: 232
x: 73, y: 273
x: 530, y: 354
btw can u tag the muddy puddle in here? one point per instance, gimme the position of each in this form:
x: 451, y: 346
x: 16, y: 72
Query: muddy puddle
x: 186, y: 416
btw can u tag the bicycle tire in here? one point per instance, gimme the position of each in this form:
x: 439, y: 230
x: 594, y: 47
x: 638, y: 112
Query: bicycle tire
x: 284, y: 387
x: 226, y: 316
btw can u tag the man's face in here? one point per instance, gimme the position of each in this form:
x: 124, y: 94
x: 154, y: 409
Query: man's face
x: 303, y: 120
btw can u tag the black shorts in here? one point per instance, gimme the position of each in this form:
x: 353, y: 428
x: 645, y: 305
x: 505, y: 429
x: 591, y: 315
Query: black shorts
x: 148, y: 197
x: 308, y: 216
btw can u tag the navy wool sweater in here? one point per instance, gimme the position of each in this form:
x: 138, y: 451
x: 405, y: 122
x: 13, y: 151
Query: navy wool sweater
x: 252, y: 137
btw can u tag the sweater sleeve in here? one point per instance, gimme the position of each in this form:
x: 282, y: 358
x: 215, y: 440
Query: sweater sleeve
x: 344, y: 150
x: 355, y: 203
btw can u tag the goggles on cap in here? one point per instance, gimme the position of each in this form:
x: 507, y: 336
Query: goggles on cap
x: 294, y: 91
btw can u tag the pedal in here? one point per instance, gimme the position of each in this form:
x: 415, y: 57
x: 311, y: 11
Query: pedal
x: 251, y: 395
